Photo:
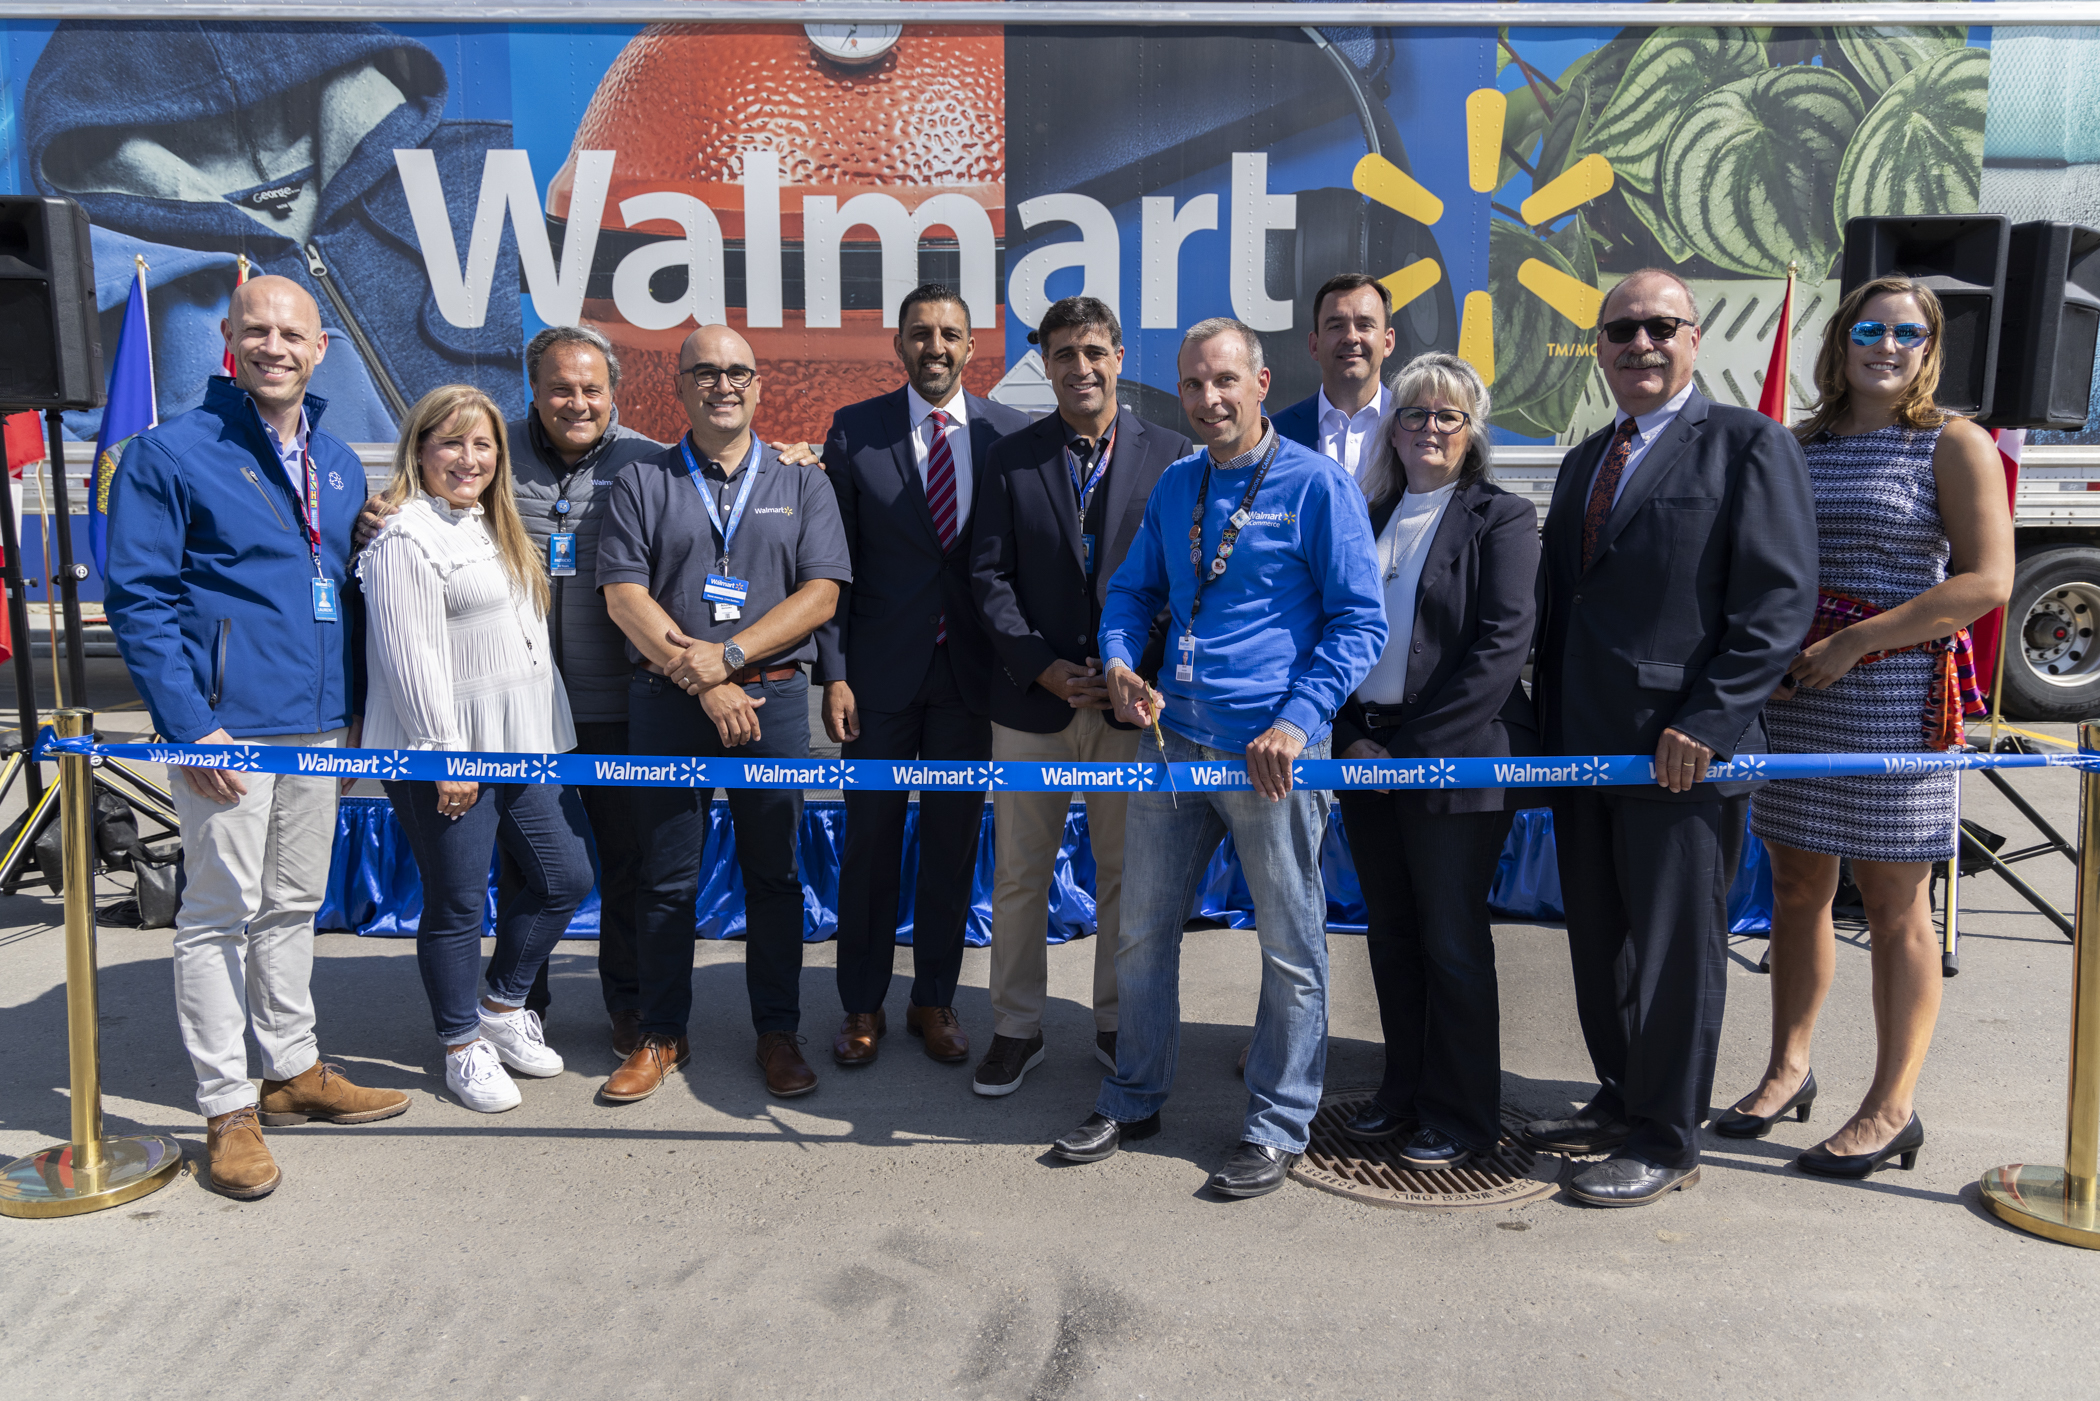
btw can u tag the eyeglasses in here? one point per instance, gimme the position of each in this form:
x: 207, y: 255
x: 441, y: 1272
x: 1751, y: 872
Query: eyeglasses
x: 708, y: 376
x: 1659, y: 328
x: 1907, y: 333
x: 1414, y: 420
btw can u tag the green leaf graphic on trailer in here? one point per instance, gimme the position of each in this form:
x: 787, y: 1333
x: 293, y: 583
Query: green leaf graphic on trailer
x: 1670, y: 71
x: 1920, y: 150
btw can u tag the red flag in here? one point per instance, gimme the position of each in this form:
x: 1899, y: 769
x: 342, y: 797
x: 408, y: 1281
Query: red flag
x: 1771, y: 401
x: 240, y: 275
x: 1987, y: 630
x: 25, y: 442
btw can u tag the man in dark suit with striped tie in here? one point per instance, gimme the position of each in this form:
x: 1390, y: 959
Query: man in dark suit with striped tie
x: 905, y: 665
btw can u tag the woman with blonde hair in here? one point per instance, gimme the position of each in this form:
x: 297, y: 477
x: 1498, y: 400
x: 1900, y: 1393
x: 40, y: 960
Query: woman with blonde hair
x: 457, y: 659
x: 1916, y: 542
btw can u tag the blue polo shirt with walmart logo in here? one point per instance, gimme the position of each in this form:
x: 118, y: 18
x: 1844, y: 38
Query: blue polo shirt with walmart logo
x: 1294, y: 624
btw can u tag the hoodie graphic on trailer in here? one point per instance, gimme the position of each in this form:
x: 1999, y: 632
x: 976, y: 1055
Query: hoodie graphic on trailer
x: 276, y: 141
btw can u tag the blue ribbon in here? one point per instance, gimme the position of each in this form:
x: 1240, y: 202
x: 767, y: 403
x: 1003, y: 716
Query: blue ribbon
x: 656, y: 771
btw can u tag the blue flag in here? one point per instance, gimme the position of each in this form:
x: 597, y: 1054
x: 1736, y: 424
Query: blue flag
x: 129, y: 412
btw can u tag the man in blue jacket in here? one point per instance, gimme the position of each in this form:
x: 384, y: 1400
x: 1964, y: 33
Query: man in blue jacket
x: 1276, y: 617
x: 229, y: 545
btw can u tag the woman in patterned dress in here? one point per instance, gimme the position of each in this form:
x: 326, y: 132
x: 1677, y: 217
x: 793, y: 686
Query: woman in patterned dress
x: 1916, y: 543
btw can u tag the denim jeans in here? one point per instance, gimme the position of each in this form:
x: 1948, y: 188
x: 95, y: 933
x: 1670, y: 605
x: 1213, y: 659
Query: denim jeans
x: 540, y: 825
x: 1168, y: 841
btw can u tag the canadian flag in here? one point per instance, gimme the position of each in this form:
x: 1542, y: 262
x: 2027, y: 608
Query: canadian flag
x: 1986, y: 631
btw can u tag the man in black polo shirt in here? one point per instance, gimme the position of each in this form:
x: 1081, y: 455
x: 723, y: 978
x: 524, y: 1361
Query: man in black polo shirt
x: 718, y: 561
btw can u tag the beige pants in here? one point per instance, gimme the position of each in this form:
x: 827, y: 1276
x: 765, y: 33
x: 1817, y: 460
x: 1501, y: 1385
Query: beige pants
x: 1031, y: 828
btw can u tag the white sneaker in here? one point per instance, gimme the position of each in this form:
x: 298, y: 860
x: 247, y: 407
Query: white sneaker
x: 476, y: 1079
x: 519, y: 1042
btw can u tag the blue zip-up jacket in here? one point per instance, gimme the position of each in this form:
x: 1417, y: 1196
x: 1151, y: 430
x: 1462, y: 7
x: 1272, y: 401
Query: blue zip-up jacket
x: 1293, y: 626
x: 211, y: 576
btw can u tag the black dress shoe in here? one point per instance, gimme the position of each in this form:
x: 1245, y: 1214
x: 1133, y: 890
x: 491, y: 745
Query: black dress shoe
x: 1100, y: 1136
x: 1374, y: 1123
x: 1736, y: 1124
x: 1430, y: 1150
x: 1578, y: 1133
x: 1253, y: 1170
x: 1903, y: 1147
x: 1629, y: 1182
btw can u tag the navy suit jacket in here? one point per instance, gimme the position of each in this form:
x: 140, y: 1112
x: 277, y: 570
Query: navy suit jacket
x: 1700, y: 595
x: 1028, y: 561
x: 881, y: 637
x: 1300, y: 422
x: 1475, y: 607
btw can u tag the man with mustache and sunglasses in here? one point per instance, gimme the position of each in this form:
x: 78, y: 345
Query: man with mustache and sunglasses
x: 1678, y: 578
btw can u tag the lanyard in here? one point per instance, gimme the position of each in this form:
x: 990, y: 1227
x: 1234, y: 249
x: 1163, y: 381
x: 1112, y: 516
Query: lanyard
x: 1085, y: 492
x: 1233, y: 524
x: 313, y: 509
x: 707, y: 496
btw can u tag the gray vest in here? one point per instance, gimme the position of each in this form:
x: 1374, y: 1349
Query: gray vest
x: 588, y: 648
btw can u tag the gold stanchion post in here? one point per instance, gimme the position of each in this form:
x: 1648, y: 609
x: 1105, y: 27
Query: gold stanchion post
x: 2064, y: 1203
x: 91, y: 1172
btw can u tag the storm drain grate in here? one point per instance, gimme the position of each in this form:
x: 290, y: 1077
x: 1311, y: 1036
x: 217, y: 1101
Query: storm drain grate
x: 1370, y: 1172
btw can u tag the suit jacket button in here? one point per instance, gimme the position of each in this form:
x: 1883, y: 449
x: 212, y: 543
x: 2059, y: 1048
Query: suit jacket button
x: 1411, y: 700
x: 1578, y: 598
x: 1418, y: 646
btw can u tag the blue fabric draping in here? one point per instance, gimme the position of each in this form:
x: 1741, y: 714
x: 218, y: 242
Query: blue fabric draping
x: 373, y: 887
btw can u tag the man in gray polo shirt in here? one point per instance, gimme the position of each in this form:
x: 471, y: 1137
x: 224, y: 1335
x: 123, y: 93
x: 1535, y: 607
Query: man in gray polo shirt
x: 718, y: 561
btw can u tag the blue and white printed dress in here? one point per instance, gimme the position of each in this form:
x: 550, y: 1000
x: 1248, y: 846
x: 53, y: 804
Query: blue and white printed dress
x: 1881, y: 539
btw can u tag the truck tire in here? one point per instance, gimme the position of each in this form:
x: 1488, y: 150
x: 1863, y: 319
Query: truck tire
x: 2052, y: 671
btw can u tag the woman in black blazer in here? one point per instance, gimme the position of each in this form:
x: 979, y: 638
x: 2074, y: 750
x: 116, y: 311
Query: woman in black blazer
x: 1460, y: 558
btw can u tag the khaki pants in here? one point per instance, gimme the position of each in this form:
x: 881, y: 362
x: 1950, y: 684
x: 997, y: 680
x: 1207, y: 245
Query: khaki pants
x: 1031, y: 828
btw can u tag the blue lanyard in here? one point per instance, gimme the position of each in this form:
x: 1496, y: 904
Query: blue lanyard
x: 1093, y: 481
x: 707, y: 497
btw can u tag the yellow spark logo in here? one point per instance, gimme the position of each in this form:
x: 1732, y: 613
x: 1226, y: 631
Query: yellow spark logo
x: 1379, y: 180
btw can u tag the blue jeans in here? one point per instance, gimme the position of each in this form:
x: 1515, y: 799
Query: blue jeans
x: 540, y: 826
x: 1167, y: 845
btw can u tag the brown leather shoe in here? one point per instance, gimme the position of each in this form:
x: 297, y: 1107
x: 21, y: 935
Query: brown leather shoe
x: 241, y: 1165
x: 626, y: 1033
x: 855, y: 1043
x: 323, y: 1092
x: 644, y: 1071
x: 942, y: 1030
x: 787, y: 1074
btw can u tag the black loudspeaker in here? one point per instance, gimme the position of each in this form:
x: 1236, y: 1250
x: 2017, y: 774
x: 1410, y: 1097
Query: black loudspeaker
x: 2050, y: 328
x: 50, y: 335
x: 1962, y: 259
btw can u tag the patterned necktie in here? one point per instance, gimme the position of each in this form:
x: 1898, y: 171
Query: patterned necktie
x: 940, y: 495
x: 1606, y: 490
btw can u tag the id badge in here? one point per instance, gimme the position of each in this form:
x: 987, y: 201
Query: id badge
x: 1185, y: 669
x: 325, y: 609
x: 561, y: 553
x: 1086, y: 543
x: 727, y: 595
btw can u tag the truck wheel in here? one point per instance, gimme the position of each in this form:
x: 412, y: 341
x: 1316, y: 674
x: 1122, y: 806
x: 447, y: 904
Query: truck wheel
x: 2053, y: 669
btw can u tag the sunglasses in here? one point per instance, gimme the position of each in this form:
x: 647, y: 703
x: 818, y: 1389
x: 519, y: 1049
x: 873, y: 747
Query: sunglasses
x: 1414, y: 420
x: 707, y: 376
x: 1907, y: 333
x: 1659, y: 328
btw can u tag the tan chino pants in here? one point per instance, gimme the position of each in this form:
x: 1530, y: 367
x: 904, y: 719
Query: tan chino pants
x: 1031, y: 828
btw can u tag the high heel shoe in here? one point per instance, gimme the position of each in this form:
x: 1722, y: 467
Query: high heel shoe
x: 1736, y: 1124
x: 1903, y: 1147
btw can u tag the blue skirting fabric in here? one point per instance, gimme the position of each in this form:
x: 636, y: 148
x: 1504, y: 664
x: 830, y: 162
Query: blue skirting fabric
x: 373, y: 887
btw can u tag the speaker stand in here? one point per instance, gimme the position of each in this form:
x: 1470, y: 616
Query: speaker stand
x: 18, y: 623
x: 69, y: 574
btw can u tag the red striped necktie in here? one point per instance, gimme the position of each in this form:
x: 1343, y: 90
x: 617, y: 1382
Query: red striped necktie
x: 1605, y: 492
x: 940, y: 495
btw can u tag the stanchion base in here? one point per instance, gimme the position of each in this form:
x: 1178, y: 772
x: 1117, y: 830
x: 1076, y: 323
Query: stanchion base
x: 48, y: 1183
x: 2031, y: 1197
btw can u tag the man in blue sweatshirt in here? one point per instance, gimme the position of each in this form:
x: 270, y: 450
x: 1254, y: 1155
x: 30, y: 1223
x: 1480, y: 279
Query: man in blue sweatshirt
x: 229, y: 538
x: 1262, y: 551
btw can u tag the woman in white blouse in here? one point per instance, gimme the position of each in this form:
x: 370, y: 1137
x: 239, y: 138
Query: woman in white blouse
x: 1460, y: 558
x: 457, y: 659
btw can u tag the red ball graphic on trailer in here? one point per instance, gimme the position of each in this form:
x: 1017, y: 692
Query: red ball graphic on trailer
x: 795, y: 182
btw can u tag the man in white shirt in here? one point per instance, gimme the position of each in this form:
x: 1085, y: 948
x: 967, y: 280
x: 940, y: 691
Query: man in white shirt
x: 906, y: 666
x: 1351, y: 337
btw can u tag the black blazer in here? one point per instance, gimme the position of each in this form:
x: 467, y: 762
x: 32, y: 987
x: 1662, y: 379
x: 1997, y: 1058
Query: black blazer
x: 1027, y: 562
x: 1701, y: 593
x: 881, y: 637
x: 1474, y: 611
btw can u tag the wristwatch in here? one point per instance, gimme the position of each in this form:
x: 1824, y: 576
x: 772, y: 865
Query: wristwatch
x: 732, y: 656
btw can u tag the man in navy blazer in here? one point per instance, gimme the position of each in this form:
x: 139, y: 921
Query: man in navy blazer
x: 1351, y: 337
x: 1677, y: 583
x: 905, y: 664
x: 1062, y: 501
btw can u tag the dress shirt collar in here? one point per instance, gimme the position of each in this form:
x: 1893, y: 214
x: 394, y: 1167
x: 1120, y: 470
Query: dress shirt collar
x: 1332, y: 417
x: 1648, y: 423
x: 1251, y: 455
x: 446, y: 511
x: 288, y: 453
x: 916, y: 405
